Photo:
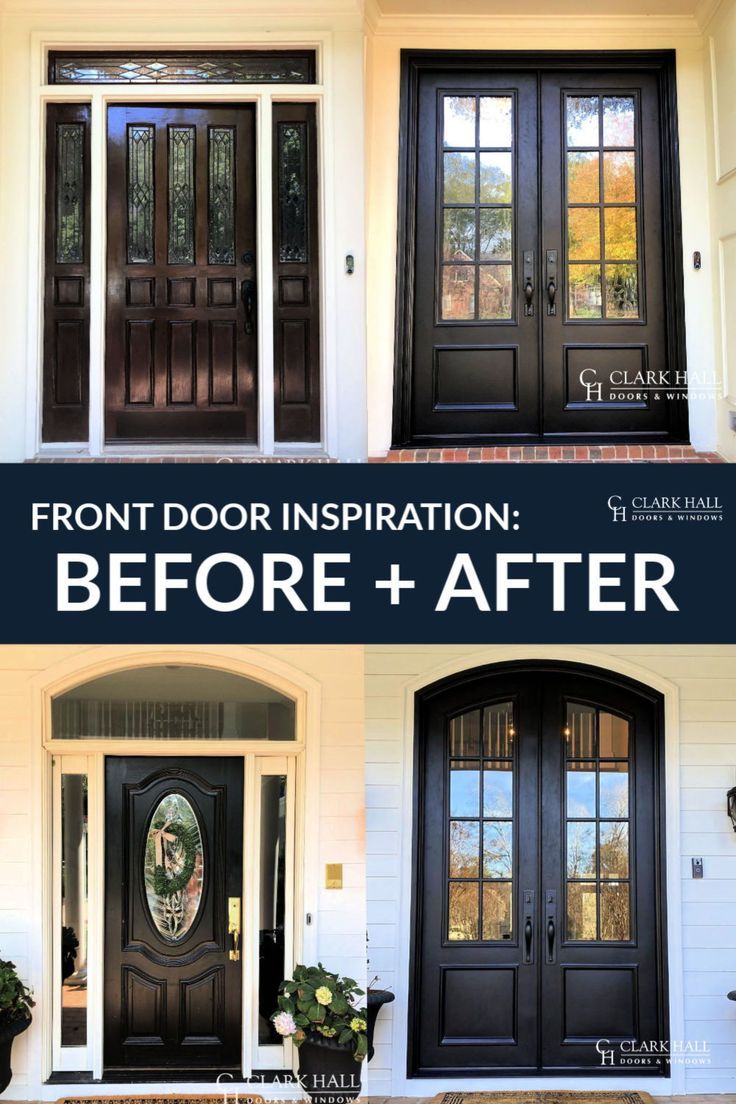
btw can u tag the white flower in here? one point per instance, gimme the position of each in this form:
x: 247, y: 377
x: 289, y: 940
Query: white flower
x: 284, y: 1023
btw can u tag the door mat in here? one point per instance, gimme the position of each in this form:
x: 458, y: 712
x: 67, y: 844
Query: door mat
x: 224, y: 1097
x: 546, y: 1097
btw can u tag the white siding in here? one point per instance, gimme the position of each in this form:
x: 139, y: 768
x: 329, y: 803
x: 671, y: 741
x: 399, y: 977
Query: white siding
x: 705, y: 680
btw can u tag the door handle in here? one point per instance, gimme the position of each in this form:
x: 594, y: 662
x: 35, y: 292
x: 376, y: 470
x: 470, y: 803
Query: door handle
x: 528, y: 283
x: 551, y: 900
x: 551, y: 278
x: 528, y: 926
x: 248, y: 295
x: 233, y: 927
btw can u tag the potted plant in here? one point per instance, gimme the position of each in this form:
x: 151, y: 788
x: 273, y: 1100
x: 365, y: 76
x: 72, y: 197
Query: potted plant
x: 318, y: 1012
x: 15, y: 1016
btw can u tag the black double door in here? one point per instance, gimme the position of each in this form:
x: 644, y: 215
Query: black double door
x: 538, y: 902
x: 538, y: 306
x: 173, y: 869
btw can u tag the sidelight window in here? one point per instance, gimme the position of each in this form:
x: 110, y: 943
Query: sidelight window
x: 603, y: 221
x: 598, y: 770
x: 480, y: 825
x: 477, y: 208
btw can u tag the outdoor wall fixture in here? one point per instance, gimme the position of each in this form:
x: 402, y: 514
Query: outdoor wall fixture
x: 731, y: 805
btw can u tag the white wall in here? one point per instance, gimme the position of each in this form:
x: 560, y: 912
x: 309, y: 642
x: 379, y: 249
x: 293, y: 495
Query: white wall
x: 721, y: 83
x: 556, y: 32
x: 118, y: 24
x: 701, y: 685
x: 335, y: 830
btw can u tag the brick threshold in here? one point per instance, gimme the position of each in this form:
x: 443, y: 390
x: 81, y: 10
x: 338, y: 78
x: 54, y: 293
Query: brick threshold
x: 554, y: 454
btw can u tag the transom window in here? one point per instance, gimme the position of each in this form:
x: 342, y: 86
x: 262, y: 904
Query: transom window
x: 175, y: 67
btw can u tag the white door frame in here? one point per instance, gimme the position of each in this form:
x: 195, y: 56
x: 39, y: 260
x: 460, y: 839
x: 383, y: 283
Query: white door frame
x: 401, y: 1084
x: 300, y: 758
x: 100, y: 96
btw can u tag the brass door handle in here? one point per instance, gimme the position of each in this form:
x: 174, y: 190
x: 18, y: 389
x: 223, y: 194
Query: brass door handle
x: 233, y: 927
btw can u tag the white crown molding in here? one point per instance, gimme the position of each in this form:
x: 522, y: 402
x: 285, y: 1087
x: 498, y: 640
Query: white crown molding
x: 136, y: 9
x: 648, y: 27
x: 706, y: 11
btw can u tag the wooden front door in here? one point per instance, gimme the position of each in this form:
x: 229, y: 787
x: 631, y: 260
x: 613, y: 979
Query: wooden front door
x: 181, y: 356
x: 174, y: 861
x: 539, y: 898
x: 541, y: 296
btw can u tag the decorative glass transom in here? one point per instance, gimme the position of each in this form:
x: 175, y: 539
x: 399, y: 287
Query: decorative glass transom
x: 598, y: 818
x: 603, y: 223
x: 480, y: 824
x: 242, y: 67
x: 174, y: 867
x: 477, y: 208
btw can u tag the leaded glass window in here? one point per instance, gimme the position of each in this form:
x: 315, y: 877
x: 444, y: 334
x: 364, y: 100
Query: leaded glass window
x: 174, y: 867
x: 182, y: 141
x: 221, y: 203
x: 241, y: 67
x: 70, y: 193
x: 292, y: 192
x: 141, y: 139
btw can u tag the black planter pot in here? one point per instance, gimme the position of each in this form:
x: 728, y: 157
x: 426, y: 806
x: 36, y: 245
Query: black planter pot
x: 328, y: 1072
x: 7, y: 1033
x: 376, y: 1000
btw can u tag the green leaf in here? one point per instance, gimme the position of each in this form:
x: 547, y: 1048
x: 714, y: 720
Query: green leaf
x: 339, y: 1005
x: 316, y: 1013
x: 361, y: 1047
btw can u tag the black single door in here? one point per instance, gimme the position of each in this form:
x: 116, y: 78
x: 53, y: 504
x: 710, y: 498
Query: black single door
x: 541, y: 296
x: 181, y: 354
x: 538, y: 907
x: 174, y: 832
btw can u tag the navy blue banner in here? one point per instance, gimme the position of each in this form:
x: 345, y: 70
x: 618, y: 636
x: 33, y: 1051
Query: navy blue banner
x: 367, y: 554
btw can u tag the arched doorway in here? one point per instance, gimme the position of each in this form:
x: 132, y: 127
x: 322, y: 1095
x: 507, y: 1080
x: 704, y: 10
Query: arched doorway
x: 538, y: 912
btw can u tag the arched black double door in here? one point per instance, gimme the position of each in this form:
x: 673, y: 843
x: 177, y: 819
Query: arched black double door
x: 539, y: 885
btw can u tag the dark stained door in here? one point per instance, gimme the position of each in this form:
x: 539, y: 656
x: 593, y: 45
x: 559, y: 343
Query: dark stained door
x: 174, y: 832
x: 542, y: 302
x: 538, y: 908
x: 181, y: 360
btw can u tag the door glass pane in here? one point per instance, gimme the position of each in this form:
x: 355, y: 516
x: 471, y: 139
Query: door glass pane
x: 618, y: 121
x: 599, y: 847
x: 615, y: 911
x: 495, y: 178
x: 480, y: 840
x: 476, y: 213
x: 495, y: 234
x: 459, y: 121
x: 583, y: 178
x: 465, y: 789
x: 581, y: 850
x: 464, y: 911
x: 181, y: 194
x: 292, y: 192
x: 494, y: 291
x: 498, y: 789
x: 465, y: 734
x: 582, y: 121
x: 495, y: 121
x: 272, y: 908
x: 497, y: 921
x: 208, y: 67
x: 221, y: 200
x: 70, y: 193
x: 602, y: 178
x: 581, y: 790
x: 74, y: 906
x: 582, y: 921
x: 464, y: 848
x: 459, y: 177
x: 140, y: 193
x: 498, y: 850
x: 459, y: 234
x: 174, y: 867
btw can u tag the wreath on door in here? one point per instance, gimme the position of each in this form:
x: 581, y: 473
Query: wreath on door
x: 173, y: 872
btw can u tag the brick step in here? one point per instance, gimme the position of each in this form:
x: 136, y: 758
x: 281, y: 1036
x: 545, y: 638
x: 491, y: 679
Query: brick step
x: 555, y: 454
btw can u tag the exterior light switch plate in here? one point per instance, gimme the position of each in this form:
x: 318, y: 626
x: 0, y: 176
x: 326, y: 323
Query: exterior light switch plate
x: 697, y: 868
x: 333, y: 876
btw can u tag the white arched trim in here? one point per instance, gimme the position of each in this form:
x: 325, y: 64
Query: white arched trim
x: 604, y: 661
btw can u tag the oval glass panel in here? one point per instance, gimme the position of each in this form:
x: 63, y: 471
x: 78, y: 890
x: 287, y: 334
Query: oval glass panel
x: 174, y: 867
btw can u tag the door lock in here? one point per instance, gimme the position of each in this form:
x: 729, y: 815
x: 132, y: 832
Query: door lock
x: 233, y: 927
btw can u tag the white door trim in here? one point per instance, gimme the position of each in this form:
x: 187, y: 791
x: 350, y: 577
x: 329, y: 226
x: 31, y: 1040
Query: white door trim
x: 401, y: 1084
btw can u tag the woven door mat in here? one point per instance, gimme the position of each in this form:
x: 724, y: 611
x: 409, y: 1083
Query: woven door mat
x: 545, y: 1097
